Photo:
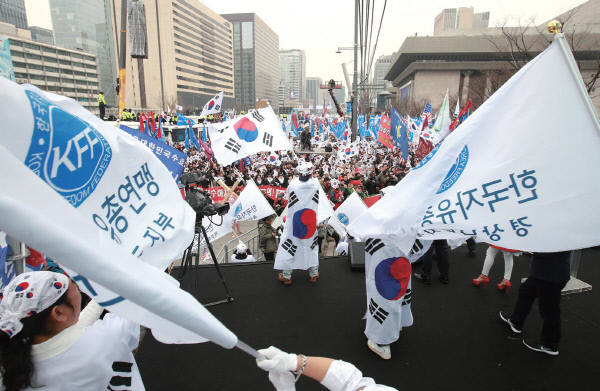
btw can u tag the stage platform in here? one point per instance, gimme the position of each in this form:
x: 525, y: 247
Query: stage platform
x: 457, y: 341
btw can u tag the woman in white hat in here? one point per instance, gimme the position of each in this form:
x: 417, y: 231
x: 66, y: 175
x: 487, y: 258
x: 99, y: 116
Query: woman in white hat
x: 47, y: 343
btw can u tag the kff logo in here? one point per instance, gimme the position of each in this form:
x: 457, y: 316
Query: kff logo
x: 65, y: 151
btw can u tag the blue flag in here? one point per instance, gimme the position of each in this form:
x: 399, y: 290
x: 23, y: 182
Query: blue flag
x: 399, y: 134
x: 182, y: 120
x: 204, y: 137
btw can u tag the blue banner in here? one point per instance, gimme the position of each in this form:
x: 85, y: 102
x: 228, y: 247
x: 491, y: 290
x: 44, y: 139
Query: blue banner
x: 398, y: 133
x: 361, y: 126
x: 172, y: 158
x: 374, y: 126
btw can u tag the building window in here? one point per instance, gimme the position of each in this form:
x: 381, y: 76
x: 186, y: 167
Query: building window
x: 33, y: 56
x: 66, y: 81
x: 50, y: 59
x: 19, y: 64
x: 16, y: 54
x: 78, y: 64
x: 66, y: 71
x: 31, y: 46
x: 68, y: 89
x: 77, y: 73
x: 48, y: 50
x: 63, y: 53
x: 51, y: 69
x: 36, y: 77
x: 88, y: 58
x: 64, y: 62
x: 36, y: 67
x: 53, y: 79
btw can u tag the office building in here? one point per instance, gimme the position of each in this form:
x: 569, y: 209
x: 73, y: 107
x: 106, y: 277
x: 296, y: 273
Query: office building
x: 41, y: 34
x: 190, y: 58
x: 459, y: 18
x: 313, y: 91
x: 292, y: 72
x: 256, y: 61
x: 13, y: 12
x: 66, y: 72
x: 87, y: 25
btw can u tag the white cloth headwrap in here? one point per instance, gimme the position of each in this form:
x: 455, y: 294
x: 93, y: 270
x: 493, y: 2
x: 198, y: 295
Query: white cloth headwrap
x: 29, y: 294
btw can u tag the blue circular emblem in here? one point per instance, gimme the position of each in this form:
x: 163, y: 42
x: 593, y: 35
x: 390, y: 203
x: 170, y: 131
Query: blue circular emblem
x: 343, y: 219
x: 455, y: 171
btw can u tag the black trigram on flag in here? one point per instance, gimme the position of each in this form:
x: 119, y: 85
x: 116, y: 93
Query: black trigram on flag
x: 315, y: 242
x: 123, y: 379
x: 293, y: 199
x: 406, y: 298
x: 268, y: 139
x: 417, y: 246
x: 377, y: 312
x: 257, y: 116
x: 373, y: 245
x: 232, y: 145
x: 289, y: 247
x: 316, y: 197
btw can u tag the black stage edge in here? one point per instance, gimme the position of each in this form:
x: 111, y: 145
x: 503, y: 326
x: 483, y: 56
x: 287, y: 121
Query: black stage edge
x: 456, y: 342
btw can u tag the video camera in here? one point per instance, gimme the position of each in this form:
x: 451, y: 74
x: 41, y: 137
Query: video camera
x: 202, y: 204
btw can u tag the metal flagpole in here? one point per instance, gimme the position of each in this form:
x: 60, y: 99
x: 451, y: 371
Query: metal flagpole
x: 247, y: 349
x: 355, y: 77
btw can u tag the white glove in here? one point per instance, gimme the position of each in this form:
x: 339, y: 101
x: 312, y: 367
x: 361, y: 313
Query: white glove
x: 279, y: 365
x: 283, y: 381
x: 277, y: 360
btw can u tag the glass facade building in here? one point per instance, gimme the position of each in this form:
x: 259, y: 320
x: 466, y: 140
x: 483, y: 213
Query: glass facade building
x: 256, y: 61
x: 87, y: 25
x: 13, y: 12
x: 292, y: 72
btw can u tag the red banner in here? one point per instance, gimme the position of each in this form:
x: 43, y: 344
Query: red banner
x: 217, y: 193
x: 423, y: 150
x: 384, y: 132
x: 370, y: 201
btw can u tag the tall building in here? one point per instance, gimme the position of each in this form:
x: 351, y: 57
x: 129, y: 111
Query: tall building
x: 190, y: 57
x: 292, y: 72
x: 460, y: 18
x: 256, y: 61
x: 66, y: 72
x: 41, y: 34
x: 13, y: 12
x: 87, y: 25
x: 313, y: 91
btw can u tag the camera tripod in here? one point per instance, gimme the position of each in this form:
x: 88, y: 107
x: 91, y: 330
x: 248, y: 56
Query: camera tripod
x: 186, y: 264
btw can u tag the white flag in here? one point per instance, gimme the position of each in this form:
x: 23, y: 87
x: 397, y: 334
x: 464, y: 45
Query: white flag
x: 348, y: 150
x: 457, y: 110
x: 103, y: 206
x: 213, y: 106
x: 178, y: 108
x: 351, y: 208
x: 508, y: 183
x: 442, y: 123
x: 256, y: 132
x: 251, y: 205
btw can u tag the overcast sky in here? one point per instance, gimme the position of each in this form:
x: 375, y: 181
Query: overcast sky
x: 319, y: 26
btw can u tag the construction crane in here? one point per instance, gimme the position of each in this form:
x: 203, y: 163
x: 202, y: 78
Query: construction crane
x: 330, y: 86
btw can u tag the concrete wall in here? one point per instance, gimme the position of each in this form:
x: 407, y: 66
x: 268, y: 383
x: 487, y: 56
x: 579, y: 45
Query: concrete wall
x: 431, y: 85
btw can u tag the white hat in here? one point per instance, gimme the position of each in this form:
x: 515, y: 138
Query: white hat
x: 29, y: 294
x: 241, y: 248
x: 305, y: 168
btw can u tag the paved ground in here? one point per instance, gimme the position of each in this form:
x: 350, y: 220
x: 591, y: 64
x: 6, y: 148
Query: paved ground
x: 457, y: 341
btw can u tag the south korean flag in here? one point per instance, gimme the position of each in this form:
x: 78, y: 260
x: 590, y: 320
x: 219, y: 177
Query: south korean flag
x: 389, y: 288
x: 298, y: 247
x: 256, y: 132
x: 213, y: 106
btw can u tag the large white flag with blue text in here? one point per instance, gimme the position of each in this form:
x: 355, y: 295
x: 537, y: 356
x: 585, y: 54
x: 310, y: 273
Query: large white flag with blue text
x: 510, y: 174
x: 102, y: 205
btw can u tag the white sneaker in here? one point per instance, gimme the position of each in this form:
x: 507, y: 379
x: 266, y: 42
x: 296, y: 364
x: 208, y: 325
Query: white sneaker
x: 383, y: 351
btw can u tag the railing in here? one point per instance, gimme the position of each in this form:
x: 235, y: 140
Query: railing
x: 252, y: 243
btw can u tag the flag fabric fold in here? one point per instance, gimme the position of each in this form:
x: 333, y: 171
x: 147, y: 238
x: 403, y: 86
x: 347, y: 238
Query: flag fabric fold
x: 507, y: 184
x: 104, y: 207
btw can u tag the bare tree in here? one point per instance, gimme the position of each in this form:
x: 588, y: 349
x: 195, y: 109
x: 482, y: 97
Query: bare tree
x: 521, y: 44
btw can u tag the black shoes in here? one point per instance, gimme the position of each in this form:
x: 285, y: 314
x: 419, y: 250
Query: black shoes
x: 422, y: 278
x: 539, y: 347
x: 506, y: 318
x: 445, y: 280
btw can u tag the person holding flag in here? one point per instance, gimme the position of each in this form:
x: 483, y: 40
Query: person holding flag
x: 48, y: 343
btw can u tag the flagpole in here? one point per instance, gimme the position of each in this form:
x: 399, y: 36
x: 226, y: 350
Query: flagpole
x: 247, y: 349
x: 560, y: 38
